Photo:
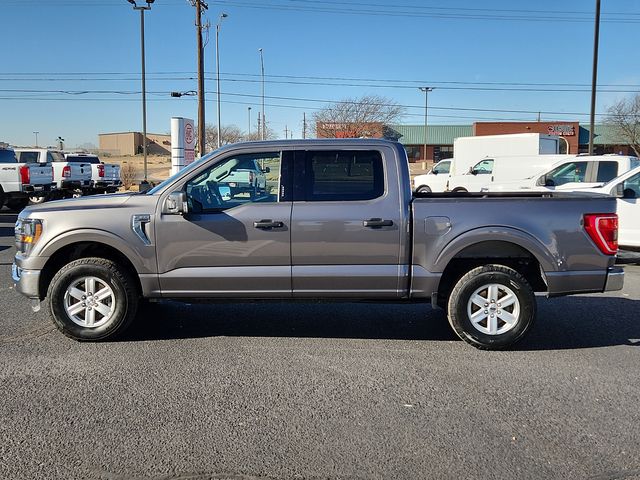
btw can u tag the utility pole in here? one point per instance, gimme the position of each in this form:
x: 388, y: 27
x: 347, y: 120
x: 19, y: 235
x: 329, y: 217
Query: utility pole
x: 259, y: 124
x: 286, y: 131
x: 594, y: 78
x: 249, y: 124
x: 36, y: 133
x: 264, y: 120
x: 304, y: 124
x: 426, y: 91
x: 222, y: 16
x: 200, y: 5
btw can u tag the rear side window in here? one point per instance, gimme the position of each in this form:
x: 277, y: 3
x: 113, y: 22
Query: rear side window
x: 28, y: 157
x: 607, y: 171
x: 343, y: 176
x: 7, y: 156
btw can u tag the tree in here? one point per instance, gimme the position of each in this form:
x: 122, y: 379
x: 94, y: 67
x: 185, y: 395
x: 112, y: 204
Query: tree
x: 228, y: 134
x: 366, y: 116
x: 624, y: 118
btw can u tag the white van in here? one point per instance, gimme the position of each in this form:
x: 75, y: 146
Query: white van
x: 581, y: 171
x: 492, y: 170
x: 435, y: 180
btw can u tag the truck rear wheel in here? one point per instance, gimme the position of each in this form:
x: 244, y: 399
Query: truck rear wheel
x: 424, y: 189
x: 92, y: 299
x: 491, y: 307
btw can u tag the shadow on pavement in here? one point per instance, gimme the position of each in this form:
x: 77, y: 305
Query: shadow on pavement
x: 171, y: 320
x: 565, y: 323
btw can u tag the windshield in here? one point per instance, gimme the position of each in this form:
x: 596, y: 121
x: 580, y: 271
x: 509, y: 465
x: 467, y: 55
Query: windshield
x: 188, y: 168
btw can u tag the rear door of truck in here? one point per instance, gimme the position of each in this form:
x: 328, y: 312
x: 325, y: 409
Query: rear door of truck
x: 348, y: 224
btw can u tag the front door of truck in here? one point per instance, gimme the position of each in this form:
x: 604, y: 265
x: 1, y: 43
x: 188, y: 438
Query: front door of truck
x: 346, y: 225
x: 231, y: 242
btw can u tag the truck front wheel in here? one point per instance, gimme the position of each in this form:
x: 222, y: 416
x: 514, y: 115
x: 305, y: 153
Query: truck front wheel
x: 92, y: 299
x: 492, y: 307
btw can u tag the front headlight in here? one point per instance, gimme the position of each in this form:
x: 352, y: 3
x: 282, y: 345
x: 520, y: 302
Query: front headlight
x: 27, y: 231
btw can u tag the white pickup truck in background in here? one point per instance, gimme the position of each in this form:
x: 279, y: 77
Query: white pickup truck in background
x: 626, y: 188
x: 578, y: 172
x: 72, y: 179
x: 20, y: 181
x: 105, y: 177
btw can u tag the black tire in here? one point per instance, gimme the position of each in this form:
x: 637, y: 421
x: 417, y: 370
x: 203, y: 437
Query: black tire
x: 503, y: 280
x: 17, y: 204
x: 123, y: 303
x: 459, y: 190
x: 424, y: 189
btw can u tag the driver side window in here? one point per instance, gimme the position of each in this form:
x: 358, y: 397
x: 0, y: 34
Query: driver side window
x: 234, y: 181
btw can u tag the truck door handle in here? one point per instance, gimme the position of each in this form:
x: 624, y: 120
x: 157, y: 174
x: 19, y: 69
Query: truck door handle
x: 377, y: 223
x: 267, y: 224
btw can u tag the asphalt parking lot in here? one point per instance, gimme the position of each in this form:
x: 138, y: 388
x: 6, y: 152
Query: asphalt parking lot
x: 320, y: 391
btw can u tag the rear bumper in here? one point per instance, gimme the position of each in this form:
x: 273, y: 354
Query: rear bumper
x: 27, y: 282
x: 35, y: 189
x: 73, y: 184
x: 615, y: 279
x: 584, y: 281
x: 106, y: 184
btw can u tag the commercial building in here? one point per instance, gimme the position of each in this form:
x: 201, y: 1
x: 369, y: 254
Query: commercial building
x: 130, y: 143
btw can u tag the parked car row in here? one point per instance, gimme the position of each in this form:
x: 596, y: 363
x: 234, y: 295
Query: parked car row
x: 34, y: 175
x: 615, y: 175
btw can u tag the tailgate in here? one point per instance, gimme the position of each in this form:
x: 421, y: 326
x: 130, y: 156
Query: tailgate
x: 40, y: 174
x: 80, y: 171
x: 111, y: 172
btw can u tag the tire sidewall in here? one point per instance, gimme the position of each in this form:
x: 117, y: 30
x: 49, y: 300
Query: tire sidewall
x: 56, y: 295
x: 460, y: 318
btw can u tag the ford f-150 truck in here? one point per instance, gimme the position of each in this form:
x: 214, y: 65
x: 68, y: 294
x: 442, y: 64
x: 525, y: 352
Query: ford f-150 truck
x: 341, y: 225
x: 20, y: 181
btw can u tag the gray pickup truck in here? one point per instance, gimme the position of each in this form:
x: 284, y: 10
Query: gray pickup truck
x: 336, y: 221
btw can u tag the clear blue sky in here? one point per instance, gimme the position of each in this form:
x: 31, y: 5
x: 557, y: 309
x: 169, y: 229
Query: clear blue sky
x: 94, y: 46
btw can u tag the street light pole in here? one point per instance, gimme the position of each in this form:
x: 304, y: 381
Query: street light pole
x: 426, y: 91
x: 222, y: 16
x: 263, y: 115
x: 594, y: 78
x: 249, y: 124
x: 144, y: 88
x: 36, y: 133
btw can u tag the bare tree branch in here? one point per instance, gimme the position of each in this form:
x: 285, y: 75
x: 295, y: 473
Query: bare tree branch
x: 624, y: 118
x: 358, y: 117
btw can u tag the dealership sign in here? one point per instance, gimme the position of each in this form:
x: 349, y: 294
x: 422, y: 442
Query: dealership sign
x: 562, y: 130
x: 183, y: 142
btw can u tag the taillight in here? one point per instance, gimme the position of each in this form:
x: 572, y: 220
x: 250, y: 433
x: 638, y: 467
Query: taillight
x: 603, y: 230
x: 101, y: 170
x: 66, y: 171
x: 25, y: 175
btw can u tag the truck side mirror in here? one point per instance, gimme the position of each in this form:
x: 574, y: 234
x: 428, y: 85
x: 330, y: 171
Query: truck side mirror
x: 545, y: 181
x: 434, y: 171
x: 175, y: 204
x: 473, y: 171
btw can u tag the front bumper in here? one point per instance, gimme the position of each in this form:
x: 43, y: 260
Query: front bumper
x: 615, y: 279
x: 27, y: 282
